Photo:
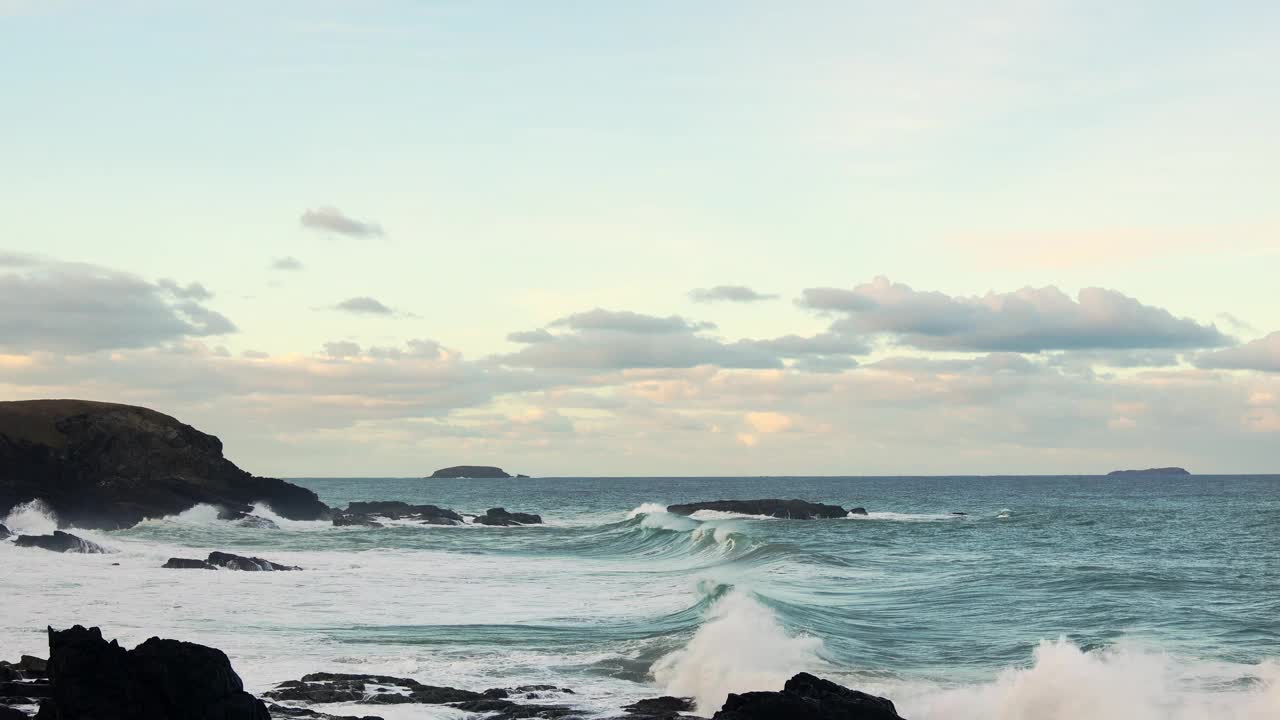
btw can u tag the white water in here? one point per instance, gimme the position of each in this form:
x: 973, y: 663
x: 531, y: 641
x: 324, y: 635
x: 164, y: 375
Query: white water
x: 31, y: 518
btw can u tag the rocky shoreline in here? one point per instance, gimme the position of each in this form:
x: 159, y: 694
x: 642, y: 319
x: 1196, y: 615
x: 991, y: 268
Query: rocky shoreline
x: 88, y: 678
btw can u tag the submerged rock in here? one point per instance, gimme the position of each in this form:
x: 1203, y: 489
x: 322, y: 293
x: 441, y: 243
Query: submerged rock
x: 107, y: 466
x: 499, y: 516
x: 470, y: 471
x: 363, y: 513
x: 61, y: 542
x: 791, y: 509
x: 187, y: 564
x: 158, y: 680
x: 806, y: 697
x: 239, y: 562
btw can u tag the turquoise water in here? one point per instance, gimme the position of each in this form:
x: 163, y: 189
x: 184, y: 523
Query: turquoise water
x: 1052, y: 597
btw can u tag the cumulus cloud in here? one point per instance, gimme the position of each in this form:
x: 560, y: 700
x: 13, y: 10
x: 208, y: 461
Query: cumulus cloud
x: 341, y: 349
x: 77, y: 308
x: 332, y: 220
x: 288, y: 263
x: 1262, y: 354
x: 1028, y: 320
x: 363, y: 305
x: 629, y: 322
x: 531, y: 336
x: 729, y: 293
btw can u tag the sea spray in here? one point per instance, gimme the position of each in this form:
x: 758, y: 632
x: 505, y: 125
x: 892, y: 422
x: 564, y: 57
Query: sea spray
x: 31, y: 518
x: 741, y: 647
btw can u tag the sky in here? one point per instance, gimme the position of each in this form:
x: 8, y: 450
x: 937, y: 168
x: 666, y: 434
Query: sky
x: 661, y: 238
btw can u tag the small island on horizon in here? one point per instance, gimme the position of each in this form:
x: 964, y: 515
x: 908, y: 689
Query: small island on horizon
x: 473, y: 471
x: 1150, y: 472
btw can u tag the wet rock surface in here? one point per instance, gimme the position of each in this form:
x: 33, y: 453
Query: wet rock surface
x: 500, y: 517
x: 806, y: 697
x: 368, y: 513
x: 790, y: 509
x: 61, y: 542
x: 495, y: 704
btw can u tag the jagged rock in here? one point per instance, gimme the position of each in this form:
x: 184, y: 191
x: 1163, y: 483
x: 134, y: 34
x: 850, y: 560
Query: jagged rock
x: 499, y: 516
x: 239, y: 562
x: 806, y: 697
x: 281, y: 711
x: 362, y: 513
x: 60, y: 542
x: 107, y: 466
x: 4, y: 532
x: 158, y: 680
x: 470, y: 471
x: 28, y: 667
x: 792, y: 509
x: 187, y: 564
x: 326, y: 687
x: 659, y: 708
x: 508, y: 710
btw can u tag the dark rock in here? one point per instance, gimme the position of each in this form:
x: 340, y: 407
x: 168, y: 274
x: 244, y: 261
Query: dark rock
x: 526, y: 477
x: 239, y: 562
x: 508, y: 710
x: 158, y: 680
x: 499, y: 516
x: 4, y: 532
x: 60, y: 542
x: 470, y: 471
x: 660, y: 707
x: 792, y: 509
x: 362, y: 513
x: 1155, y: 472
x: 342, y: 687
x: 28, y: 667
x: 187, y: 564
x: 957, y: 513
x: 26, y: 689
x: 806, y: 697
x: 243, y: 519
x: 12, y: 713
x: 281, y: 711
x: 858, y: 511
x: 102, y: 465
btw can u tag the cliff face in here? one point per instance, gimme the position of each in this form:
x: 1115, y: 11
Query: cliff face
x: 102, y: 465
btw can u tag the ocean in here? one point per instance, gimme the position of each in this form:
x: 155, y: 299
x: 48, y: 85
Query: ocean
x: 1051, y: 598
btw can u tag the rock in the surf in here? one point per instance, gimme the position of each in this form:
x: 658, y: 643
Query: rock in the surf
x: 249, y: 520
x: 499, y: 516
x: 324, y: 687
x: 470, y: 471
x: 367, y: 513
x: 187, y: 564
x: 4, y: 532
x: 157, y: 680
x: 106, y: 466
x: 858, y: 511
x: 790, y: 509
x: 239, y: 562
x: 60, y: 542
x: 281, y: 712
x: 659, y: 708
x: 806, y: 697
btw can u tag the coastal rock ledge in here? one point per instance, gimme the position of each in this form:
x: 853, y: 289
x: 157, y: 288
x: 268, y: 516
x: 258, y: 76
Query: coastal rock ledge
x: 106, y: 466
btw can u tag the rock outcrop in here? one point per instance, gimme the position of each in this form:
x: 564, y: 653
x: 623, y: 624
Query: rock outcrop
x: 496, y: 704
x: 4, y: 532
x: 806, y: 697
x: 188, y: 564
x: 1158, y: 472
x: 470, y: 471
x: 792, y: 509
x: 60, y: 542
x: 228, y: 561
x: 499, y: 516
x: 102, y: 465
x: 158, y: 680
x: 368, y: 513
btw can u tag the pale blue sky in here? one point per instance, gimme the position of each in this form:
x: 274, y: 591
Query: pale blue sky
x: 529, y: 161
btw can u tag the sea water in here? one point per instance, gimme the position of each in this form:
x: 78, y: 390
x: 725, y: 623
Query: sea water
x: 1051, y: 598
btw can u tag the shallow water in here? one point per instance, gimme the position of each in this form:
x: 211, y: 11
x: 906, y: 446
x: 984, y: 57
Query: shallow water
x: 1053, y: 598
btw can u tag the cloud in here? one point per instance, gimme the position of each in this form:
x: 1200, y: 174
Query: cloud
x: 629, y: 322
x: 49, y: 306
x: 341, y: 349
x: 1262, y: 354
x: 1028, y: 320
x: 530, y: 336
x: 288, y: 263
x: 729, y: 293
x: 768, y: 422
x: 331, y: 219
x: 363, y: 305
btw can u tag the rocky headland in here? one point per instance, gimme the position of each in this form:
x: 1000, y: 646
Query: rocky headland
x: 106, y: 466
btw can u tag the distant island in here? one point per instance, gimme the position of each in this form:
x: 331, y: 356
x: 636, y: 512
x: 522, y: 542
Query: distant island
x: 470, y: 471
x: 1164, y: 471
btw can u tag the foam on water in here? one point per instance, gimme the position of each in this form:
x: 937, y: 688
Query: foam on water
x: 741, y: 647
x: 1122, y: 682
x: 906, y: 517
